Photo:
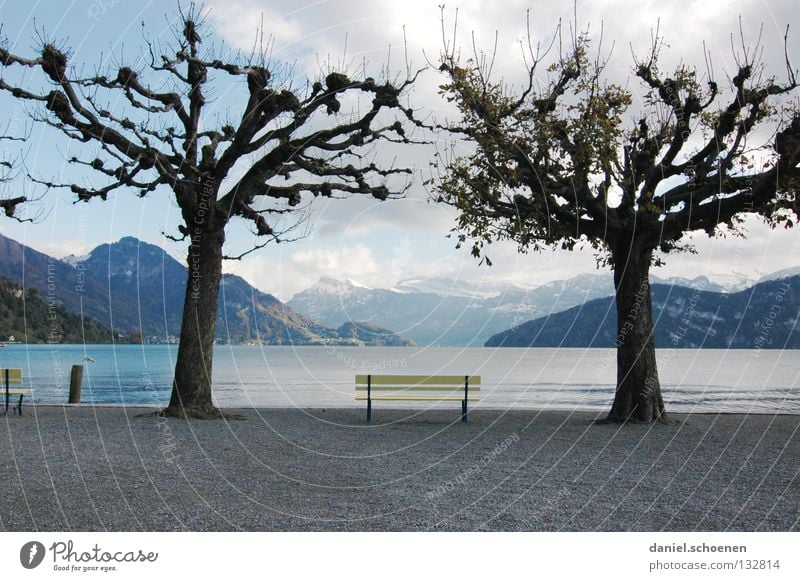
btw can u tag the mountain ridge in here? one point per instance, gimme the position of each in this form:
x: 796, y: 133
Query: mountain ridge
x: 474, y: 312
x: 764, y: 316
x: 132, y: 286
x: 466, y: 317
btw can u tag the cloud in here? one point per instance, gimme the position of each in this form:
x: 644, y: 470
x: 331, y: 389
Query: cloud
x: 382, y: 267
x: 62, y: 249
x: 761, y: 252
x: 356, y: 260
x: 287, y: 272
x: 369, y: 28
x: 239, y: 22
x: 289, y: 269
x: 362, y: 217
x: 322, y: 25
x: 294, y: 268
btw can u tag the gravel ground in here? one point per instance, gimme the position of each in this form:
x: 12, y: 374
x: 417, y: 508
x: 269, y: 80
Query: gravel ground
x: 110, y: 468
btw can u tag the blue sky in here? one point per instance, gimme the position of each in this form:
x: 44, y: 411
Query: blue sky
x: 376, y: 243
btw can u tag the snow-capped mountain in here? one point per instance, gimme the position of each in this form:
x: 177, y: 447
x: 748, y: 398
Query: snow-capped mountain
x: 449, y: 312
x: 717, y: 283
x: 73, y: 259
x: 445, y: 311
x: 328, y: 285
x: 450, y: 287
x: 733, y: 282
x: 781, y: 274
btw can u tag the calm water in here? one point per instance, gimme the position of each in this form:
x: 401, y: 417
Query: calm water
x: 244, y: 376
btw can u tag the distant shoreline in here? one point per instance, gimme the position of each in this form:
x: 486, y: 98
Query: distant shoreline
x: 361, y: 406
x: 286, y: 376
x: 338, y: 346
x: 122, y: 468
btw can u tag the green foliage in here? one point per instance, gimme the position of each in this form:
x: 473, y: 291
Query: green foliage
x: 29, y: 318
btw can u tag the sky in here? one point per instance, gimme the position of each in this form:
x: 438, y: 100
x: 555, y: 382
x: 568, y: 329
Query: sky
x: 380, y: 243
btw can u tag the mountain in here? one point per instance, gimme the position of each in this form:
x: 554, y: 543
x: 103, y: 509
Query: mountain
x: 765, y: 316
x: 781, y: 274
x: 146, y: 286
x: 366, y: 334
x: 447, y: 312
x: 134, y: 286
x: 443, y: 311
x: 55, y: 280
x: 720, y: 283
x: 26, y: 317
x: 446, y: 286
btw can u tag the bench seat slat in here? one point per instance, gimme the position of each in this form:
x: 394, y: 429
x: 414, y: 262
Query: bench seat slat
x: 418, y: 380
x: 14, y: 374
x: 416, y: 388
x: 415, y: 398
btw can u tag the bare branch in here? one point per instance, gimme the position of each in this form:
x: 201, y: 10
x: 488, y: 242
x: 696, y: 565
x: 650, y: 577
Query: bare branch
x: 548, y: 160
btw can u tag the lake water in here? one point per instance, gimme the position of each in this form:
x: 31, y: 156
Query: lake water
x: 754, y: 381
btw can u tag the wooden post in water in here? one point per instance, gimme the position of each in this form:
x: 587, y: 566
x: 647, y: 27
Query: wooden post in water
x: 75, y: 384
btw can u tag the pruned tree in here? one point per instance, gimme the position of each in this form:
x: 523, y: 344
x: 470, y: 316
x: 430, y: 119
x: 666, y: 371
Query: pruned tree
x: 150, y: 127
x: 568, y: 159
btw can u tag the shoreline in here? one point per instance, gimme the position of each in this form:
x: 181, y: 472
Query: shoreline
x: 476, y: 408
x: 86, y: 468
x: 326, y: 345
x: 315, y: 377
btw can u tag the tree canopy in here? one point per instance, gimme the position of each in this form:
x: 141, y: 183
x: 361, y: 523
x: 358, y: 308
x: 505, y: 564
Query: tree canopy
x: 572, y: 160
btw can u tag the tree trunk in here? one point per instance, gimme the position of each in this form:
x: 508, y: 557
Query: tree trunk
x: 191, y: 387
x: 638, y: 396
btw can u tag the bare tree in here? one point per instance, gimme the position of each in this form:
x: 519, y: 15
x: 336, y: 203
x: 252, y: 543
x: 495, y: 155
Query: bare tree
x: 566, y: 160
x: 9, y: 168
x: 284, y: 144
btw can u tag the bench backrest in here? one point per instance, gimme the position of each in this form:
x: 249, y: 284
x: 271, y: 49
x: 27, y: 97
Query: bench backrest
x: 13, y: 376
x: 446, y: 384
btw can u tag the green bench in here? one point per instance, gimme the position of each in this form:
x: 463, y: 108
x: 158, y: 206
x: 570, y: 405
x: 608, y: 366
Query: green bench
x: 434, y: 388
x: 13, y: 377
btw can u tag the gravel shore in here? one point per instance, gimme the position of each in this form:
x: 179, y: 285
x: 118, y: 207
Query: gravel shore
x: 113, y: 468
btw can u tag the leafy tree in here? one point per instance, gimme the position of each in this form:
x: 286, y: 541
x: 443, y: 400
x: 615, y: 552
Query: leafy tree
x: 569, y: 160
x: 149, y: 127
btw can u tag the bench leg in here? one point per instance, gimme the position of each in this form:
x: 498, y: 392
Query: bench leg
x: 369, y: 410
x: 464, y: 418
x: 19, y: 406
